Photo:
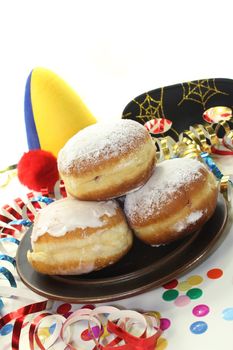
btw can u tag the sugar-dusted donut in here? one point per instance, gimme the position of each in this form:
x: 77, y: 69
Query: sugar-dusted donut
x: 106, y: 160
x: 76, y: 237
x: 178, y: 199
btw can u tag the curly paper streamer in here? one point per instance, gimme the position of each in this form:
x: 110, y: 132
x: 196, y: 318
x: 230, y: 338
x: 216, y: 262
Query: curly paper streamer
x: 59, y: 190
x: 1, y: 304
x: 7, y: 230
x: 10, y: 239
x: 23, y: 222
x: 126, y: 328
x: 4, y: 219
x: 167, y: 148
x: 221, y: 150
x: 43, y: 199
x: 53, y: 337
x: 8, y: 258
x: 224, y: 180
x: 4, y: 271
x: 18, y: 316
x: 14, y: 218
x: 10, y: 212
x: 199, y: 138
x: 228, y: 140
x: 23, y: 311
x: 7, y: 174
x: 120, y: 324
x: 8, y: 275
x: 211, y: 164
x: 8, y: 215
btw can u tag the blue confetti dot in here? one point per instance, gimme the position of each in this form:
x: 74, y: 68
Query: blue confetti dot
x: 6, y: 329
x: 1, y: 304
x: 52, y: 328
x: 227, y: 314
x: 198, y: 327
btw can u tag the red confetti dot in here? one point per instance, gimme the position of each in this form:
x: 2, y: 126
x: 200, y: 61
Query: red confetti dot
x: 215, y: 273
x: 64, y: 309
x: 85, y: 335
x: 170, y: 285
x: 88, y: 306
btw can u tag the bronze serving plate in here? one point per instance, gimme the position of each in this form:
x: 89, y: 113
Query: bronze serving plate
x: 142, y: 269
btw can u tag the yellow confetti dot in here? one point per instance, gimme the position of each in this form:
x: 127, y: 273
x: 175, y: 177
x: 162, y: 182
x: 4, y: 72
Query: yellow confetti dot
x: 183, y: 286
x: 154, y: 313
x: 43, y: 333
x: 162, y: 344
x: 105, y: 333
x: 194, y: 280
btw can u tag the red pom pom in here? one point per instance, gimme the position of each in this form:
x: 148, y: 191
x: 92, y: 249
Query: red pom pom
x: 37, y: 169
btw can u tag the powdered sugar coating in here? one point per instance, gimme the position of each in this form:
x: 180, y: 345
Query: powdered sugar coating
x: 100, y: 141
x: 167, y: 179
x: 190, y: 219
x: 67, y: 214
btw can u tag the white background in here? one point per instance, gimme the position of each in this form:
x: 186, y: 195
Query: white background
x: 108, y: 51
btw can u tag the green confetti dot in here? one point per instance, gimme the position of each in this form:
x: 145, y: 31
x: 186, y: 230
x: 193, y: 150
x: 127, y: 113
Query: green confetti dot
x: 194, y: 293
x: 170, y: 294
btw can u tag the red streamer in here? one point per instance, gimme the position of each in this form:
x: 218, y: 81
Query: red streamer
x: 7, y: 231
x: 32, y: 331
x: 221, y: 152
x: 4, y: 219
x: 16, y: 333
x: 226, y: 145
x: 23, y: 311
x: 19, y: 202
x: 12, y: 211
x: 132, y: 342
x: 19, y: 316
x: 44, y: 192
x: 63, y: 189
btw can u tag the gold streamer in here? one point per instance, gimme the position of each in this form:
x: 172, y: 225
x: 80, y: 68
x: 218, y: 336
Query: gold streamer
x: 199, y: 138
x: 222, y: 125
x: 7, y: 174
x: 228, y: 139
x: 226, y: 187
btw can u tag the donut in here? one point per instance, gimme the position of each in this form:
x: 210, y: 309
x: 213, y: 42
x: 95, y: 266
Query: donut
x: 178, y: 199
x: 76, y: 237
x: 107, y: 160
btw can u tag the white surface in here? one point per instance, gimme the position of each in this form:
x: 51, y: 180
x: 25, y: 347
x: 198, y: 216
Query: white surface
x: 108, y: 51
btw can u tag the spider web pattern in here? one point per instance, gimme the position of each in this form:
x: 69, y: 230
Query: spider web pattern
x: 200, y: 91
x: 150, y: 108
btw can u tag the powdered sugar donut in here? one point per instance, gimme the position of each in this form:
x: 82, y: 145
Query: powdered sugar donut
x: 76, y: 237
x: 106, y: 160
x: 178, y: 199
